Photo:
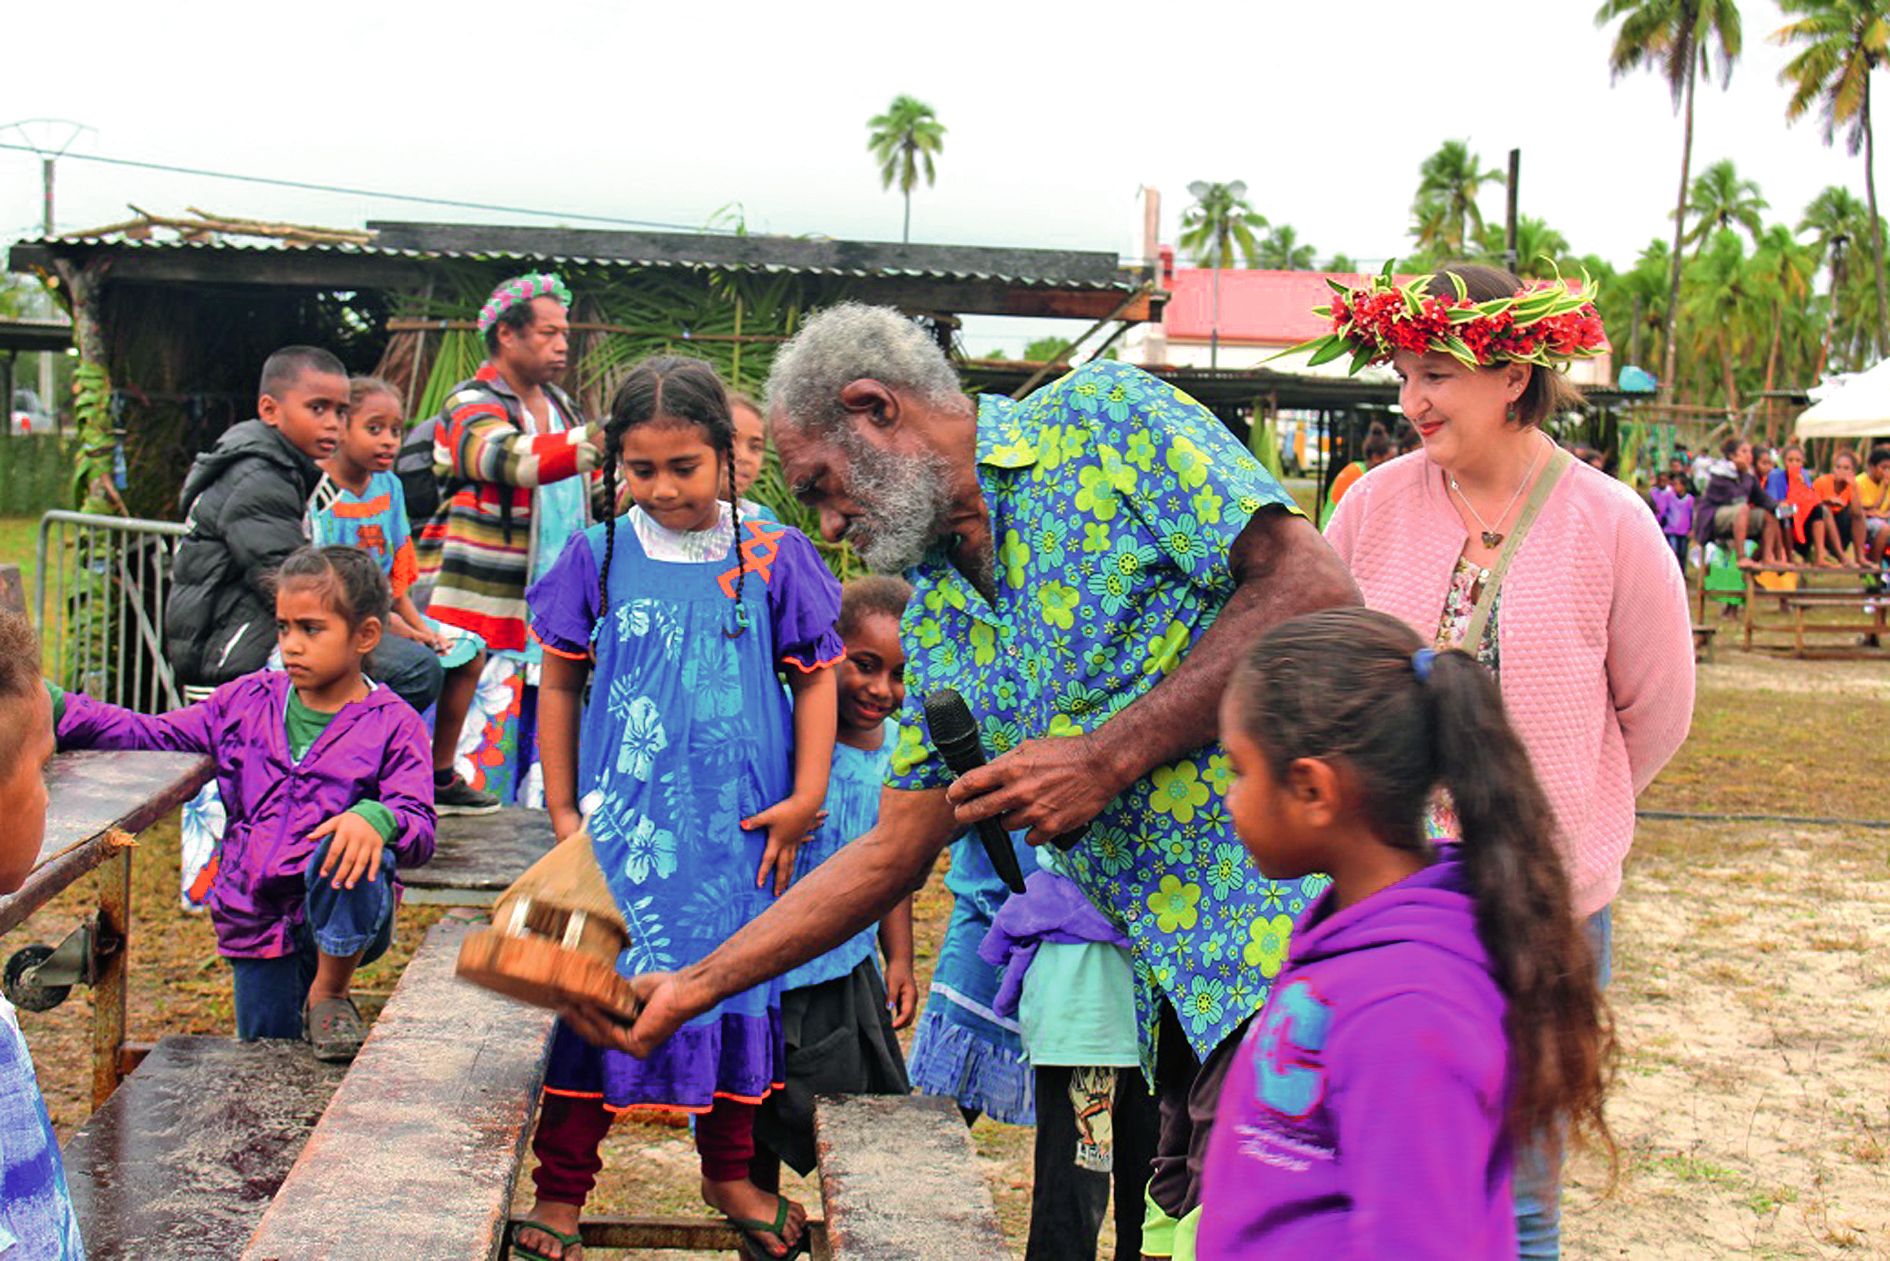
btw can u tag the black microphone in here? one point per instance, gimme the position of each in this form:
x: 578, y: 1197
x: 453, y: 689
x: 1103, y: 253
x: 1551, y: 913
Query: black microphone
x: 955, y: 736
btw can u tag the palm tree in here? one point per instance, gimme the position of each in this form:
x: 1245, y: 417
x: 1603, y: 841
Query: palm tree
x: 1674, y: 37
x: 1341, y: 262
x: 1841, y: 43
x: 1431, y: 229
x: 1835, y: 218
x: 904, y: 141
x: 1540, y: 249
x: 1784, y: 268
x: 1723, y: 300
x: 1448, y: 183
x: 1219, y: 223
x: 1720, y: 200
x: 1282, y: 251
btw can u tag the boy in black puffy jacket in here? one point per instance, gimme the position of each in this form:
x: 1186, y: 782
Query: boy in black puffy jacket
x: 245, y: 504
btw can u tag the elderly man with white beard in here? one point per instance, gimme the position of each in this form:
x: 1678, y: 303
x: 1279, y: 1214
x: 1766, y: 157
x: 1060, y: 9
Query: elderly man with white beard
x: 1088, y: 562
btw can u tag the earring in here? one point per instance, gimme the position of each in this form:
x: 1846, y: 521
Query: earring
x: 1510, y: 414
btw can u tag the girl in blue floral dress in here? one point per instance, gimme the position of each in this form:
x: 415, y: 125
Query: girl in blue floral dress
x: 696, y: 777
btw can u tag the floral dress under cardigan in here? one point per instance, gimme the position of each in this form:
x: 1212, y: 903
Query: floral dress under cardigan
x: 1466, y: 584
x: 688, y: 731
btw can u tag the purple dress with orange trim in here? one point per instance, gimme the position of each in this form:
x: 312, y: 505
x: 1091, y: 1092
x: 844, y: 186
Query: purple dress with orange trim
x: 687, y: 732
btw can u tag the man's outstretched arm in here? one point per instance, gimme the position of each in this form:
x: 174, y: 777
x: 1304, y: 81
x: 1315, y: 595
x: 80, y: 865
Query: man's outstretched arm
x: 845, y: 894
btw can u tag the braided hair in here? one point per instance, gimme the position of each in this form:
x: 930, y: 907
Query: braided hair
x: 670, y: 390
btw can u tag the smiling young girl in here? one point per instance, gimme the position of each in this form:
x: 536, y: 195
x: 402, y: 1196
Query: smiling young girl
x: 324, y: 777
x: 359, y: 503
x: 1439, y: 1004
x: 697, y: 778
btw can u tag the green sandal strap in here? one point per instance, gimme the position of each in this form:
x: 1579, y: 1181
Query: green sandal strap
x: 752, y: 1226
x: 532, y: 1254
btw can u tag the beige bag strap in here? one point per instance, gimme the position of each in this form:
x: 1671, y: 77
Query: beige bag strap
x: 1532, y: 507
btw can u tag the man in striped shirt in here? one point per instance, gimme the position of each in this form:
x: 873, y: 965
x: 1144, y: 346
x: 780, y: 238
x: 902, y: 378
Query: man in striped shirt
x: 512, y: 451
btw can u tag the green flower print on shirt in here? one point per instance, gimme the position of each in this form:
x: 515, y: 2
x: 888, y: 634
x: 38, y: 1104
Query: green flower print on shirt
x: 1059, y: 602
x: 1164, y: 652
x: 1178, y: 791
x: 1050, y: 541
x: 1013, y: 555
x: 1207, y: 505
x: 1141, y: 451
x: 1188, y: 461
x: 983, y: 644
x: 1175, y: 904
x: 1267, y: 942
x: 1205, y: 996
x: 1095, y: 537
x: 1220, y: 773
x: 1184, y: 542
x: 909, y: 750
x: 1112, y: 850
x: 1229, y: 869
x: 1314, y: 885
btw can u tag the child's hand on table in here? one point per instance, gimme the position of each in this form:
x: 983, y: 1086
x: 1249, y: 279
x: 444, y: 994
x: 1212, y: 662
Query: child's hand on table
x: 354, y: 852
x: 787, y: 822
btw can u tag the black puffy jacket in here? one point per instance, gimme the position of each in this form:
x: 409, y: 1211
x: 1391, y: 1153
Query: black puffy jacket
x: 245, y: 502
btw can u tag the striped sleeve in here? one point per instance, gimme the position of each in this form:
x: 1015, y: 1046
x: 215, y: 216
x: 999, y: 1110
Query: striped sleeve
x: 480, y: 443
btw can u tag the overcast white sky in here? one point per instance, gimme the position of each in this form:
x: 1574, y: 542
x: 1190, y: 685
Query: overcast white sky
x: 1054, y: 120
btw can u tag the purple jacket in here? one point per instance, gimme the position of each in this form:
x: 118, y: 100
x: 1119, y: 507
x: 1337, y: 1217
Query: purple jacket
x: 1362, y: 1115
x: 1051, y: 908
x: 375, y: 749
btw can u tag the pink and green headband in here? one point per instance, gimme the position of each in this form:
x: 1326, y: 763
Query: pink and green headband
x: 522, y: 289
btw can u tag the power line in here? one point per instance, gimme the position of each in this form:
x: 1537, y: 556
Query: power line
x: 306, y: 186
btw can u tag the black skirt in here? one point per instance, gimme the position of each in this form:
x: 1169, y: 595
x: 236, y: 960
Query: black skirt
x: 840, y: 1041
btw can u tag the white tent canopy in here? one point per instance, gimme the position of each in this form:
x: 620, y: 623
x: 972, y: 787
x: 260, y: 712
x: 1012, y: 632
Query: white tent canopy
x: 1852, y: 406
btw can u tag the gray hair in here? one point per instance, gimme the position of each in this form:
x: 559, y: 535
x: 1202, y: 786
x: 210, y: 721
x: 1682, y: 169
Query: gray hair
x: 846, y: 343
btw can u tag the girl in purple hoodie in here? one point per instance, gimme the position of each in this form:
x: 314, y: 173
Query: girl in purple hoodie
x: 1438, y: 1003
x: 328, y: 783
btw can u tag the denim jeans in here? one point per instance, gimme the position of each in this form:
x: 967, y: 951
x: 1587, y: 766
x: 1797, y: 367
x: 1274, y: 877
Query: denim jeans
x: 1538, y: 1183
x: 271, y: 993
x: 410, y: 669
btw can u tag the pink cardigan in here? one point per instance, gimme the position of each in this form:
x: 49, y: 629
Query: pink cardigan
x: 1593, y: 632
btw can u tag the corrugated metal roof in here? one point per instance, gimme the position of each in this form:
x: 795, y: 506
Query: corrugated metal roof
x: 680, y: 260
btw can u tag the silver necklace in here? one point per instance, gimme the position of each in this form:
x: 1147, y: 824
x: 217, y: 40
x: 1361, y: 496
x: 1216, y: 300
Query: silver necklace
x: 1494, y: 538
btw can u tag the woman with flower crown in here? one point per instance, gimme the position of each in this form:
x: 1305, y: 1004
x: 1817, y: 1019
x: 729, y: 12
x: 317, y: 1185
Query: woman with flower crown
x: 1493, y: 539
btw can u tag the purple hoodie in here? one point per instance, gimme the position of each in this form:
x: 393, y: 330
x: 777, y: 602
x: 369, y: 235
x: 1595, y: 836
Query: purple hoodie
x: 1363, y: 1114
x: 375, y: 749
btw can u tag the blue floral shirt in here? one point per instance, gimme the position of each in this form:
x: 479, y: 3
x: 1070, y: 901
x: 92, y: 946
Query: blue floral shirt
x: 1114, y: 502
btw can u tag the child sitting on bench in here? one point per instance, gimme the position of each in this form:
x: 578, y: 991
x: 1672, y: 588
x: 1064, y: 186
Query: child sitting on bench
x: 325, y: 778
x: 36, y: 1218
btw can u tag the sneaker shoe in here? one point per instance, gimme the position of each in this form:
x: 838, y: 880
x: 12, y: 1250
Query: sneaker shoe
x: 333, y: 1027
x: 460, y: 797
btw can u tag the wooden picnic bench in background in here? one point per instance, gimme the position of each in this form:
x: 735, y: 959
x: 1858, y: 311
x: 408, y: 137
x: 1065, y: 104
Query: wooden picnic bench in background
x: 98, y: 800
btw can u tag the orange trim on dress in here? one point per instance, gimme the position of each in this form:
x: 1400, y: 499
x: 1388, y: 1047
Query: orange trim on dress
x: 818, y: 665
x: 693, y: 1109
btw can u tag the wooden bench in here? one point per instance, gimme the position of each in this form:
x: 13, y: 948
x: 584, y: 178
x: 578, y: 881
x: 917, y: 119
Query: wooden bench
x: 899, y: 1181
x: 475, y: 857
x: 417, y: 1155
x: 1703, y: 642
x: 1873, y: 605
x: 182, y: 1159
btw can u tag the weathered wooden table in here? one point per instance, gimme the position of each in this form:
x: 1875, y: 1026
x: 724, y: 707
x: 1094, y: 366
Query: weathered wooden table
x: 97, y: 797
x: 476, y: 857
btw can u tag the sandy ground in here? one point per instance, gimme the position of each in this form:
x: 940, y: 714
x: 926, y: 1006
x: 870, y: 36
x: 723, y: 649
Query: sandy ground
x: 1752, y: 994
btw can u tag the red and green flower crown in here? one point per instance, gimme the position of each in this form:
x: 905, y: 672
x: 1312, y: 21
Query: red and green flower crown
x: 1549, y: 323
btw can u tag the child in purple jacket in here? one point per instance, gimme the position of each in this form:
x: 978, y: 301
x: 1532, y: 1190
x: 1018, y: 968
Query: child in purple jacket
x: 1438, y: 1005
x: 328, y: 786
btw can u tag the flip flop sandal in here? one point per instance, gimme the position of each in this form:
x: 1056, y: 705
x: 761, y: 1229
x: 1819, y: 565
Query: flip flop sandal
x: 522, y: 1253
x: 333, y: 1027
x: 753, y: 1228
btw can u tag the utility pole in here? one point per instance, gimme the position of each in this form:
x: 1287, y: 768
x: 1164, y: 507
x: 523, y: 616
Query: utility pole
x: 49, y: 138
x: 1509, y: 231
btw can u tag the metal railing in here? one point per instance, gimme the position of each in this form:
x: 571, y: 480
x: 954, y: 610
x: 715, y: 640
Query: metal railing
x: 100, y: 594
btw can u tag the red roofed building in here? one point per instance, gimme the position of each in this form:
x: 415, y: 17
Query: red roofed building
x: 1260, y: 314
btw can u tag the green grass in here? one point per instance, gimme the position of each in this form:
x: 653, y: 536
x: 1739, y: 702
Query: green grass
x: 19, y: 538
